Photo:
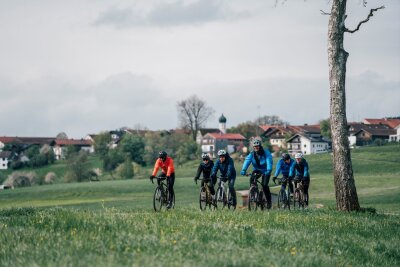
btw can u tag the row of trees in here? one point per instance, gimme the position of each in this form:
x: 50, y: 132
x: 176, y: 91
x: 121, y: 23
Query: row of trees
x: 143, y: 149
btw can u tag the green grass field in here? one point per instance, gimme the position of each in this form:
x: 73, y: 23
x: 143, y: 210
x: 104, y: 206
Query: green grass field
x: 111, y: 223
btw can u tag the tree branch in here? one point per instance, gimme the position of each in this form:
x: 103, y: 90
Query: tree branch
x: 371, y: 13
x: 324, y: 13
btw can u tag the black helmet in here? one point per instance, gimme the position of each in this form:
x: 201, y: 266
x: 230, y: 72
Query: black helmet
x: 285, y: 156
x: 162, y: 155
x: 205, y: 156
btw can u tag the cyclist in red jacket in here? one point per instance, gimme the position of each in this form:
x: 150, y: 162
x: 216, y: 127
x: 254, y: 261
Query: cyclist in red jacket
x: 167, y: 167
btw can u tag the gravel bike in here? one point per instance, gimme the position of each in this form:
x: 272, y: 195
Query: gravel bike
x: 206, y: 199
x: 299, y: 197
x: 256, y: 197
x: 223, y: 195
x: 161, y: 194
x: 284, y: 195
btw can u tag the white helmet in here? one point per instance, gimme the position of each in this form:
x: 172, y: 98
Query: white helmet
x: 298, y: 156
x: 222, y: 153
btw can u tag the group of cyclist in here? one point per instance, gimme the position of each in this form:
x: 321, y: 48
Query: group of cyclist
x: 261, y: 160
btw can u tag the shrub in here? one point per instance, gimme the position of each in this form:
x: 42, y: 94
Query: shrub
x: 21, y: 179
x: 50, y: 178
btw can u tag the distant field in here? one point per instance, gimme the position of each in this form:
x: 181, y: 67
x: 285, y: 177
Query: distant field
x: 111, y: 223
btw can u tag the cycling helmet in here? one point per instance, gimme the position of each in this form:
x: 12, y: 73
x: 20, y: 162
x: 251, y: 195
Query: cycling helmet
x: 298, y: 156
x: 256, y: 142
x: 205, y: 156
x: 162, y: 155
x: 285, y: 156
x: 222, y: 153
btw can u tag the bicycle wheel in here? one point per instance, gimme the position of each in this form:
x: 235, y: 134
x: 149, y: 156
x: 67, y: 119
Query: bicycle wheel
x: 261, y: 200
x: 158, y: 199
x: 230, y: 200
x: 288, y: 199
x: 221, y: 197
x: 297, y: 199
x: 203, y: 198
x: 253, y: 196
x: 281, y: 199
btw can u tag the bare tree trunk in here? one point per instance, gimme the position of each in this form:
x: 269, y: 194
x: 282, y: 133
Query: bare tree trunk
x: 345, y: 188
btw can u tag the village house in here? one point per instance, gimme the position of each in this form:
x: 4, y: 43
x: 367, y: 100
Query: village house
x: 366, y: 133
x: 60, y: 146
x: 218, y: 139
x: 305, y: 138
x: 4, y: 159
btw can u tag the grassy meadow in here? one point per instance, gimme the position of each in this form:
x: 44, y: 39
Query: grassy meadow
x: 111, y: 223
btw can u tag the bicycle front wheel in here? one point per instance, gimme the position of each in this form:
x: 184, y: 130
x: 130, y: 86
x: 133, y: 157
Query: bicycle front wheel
x: 281, y: 199
x: 158, y: 199
x: 203, y: 198
x: 297, y: 199
x: 221, y: 197
x: 253, y: 195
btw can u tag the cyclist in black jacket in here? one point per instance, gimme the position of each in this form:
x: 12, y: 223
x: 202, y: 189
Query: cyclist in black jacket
x: 205, y: 167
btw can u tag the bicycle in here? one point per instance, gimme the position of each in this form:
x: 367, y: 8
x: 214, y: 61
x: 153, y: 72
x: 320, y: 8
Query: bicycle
x: 284, y: 196
x: 161, y: 194
x: 206, y: 199
x: 299, y: 197
x: 225, y: 198
x: 256, y: 197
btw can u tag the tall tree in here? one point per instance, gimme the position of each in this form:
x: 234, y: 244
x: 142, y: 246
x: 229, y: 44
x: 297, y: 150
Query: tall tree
x: 193, y: 112
x: 345, y: 188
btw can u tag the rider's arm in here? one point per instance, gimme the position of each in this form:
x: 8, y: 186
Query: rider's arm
x: 269, y: 162
x: 156, y: 167
x: 171, y: 168
x: 199, y: 170
x: 306, y: 173
x: 278, y: 168
x: 292, y: 170
x: 247, y: 162
x: 230, y: 169
x: 215, y: 169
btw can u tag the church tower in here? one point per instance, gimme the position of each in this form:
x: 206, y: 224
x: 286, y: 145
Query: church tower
x: 222, y: 124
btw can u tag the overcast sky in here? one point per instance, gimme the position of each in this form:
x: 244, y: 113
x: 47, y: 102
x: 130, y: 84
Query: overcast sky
x: 84, y: 66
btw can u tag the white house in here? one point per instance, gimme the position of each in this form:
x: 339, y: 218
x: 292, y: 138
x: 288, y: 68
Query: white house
x: 4, y: 159
x: 307, y: 144
x: 395, y: 137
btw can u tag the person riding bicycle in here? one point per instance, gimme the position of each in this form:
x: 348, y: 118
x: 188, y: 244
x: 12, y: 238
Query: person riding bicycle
x: 299, y: 171
x: 284, y: 165
x: 167, y: 167
x: 205, y: 167
x: 225, y: 165
x: 261, y: 159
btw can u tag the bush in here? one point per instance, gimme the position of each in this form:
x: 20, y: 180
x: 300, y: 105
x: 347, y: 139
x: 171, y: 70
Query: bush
x: 50, y: 178
x: 21, y: 179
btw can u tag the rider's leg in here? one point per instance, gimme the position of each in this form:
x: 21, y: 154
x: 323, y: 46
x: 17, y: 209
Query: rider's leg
x: 265, y: 181
x: 211, y: 186
x: 232, y: 190
x: 171, y: 182
x: 306, y: 185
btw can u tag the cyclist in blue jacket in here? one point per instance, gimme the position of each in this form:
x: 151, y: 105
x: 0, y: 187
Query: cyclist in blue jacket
x: 261, y: 159
x: 225, y: 165
x: 284, y: 165
x: 299, y: 171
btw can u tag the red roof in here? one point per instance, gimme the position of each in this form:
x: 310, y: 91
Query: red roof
x: 80, y: 142
x: 229, y: 136
x: 267, y: 127
x: 392, y: 123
